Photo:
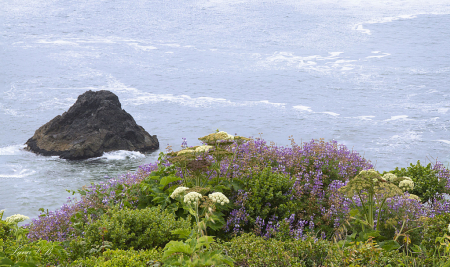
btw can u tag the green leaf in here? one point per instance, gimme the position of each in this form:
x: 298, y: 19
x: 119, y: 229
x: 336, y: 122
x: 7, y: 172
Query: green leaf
x: 6, y: 262
x: 176, y: 247
x: 368, y: 234
x: 204, y: 241
x: 169, y: 179
x: 182, y: 233
x: 389, y: 245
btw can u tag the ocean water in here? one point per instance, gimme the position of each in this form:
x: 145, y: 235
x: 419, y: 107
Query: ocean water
x: 373, y: 75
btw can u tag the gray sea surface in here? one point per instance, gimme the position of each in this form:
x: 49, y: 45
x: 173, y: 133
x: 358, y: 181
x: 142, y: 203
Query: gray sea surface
x: 373, y: 75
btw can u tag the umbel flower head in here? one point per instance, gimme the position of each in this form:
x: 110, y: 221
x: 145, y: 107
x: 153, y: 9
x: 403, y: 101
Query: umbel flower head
x: 212, y: 139
x: 414, y: 197
x: 192, y: 198
x: 185, y: 151
x: 178, y: 191
x: 390, y: 177
x: 407, y: 184
x: 16, y: 218
x: 369, y: 181
x: 202, y: 149
x: 218, y: 197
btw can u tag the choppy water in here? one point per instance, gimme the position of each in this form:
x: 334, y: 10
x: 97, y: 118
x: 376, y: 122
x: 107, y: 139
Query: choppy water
x: 373, y: 75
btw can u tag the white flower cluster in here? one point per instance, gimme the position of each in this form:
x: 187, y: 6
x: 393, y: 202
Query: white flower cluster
x: 178, y: 191
x: 414, y: 197
x: 225, y: 135
x: 449, y: 227
x: 192, y: 197
x: 16, y: 218
x: 202, y: 149
x: 407, y: 184
x: 218, y: 197
x: 368, y: 172
x: 390, y: 177
x: 186, y: 151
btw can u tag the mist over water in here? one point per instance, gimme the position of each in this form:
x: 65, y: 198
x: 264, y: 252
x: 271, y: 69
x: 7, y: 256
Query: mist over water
x: 373, y: 75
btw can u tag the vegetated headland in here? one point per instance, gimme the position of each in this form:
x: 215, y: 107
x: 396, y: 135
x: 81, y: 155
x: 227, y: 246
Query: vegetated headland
x: 237, y: 201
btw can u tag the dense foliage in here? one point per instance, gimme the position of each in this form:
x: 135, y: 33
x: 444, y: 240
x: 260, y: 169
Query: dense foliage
x: 236, y: 201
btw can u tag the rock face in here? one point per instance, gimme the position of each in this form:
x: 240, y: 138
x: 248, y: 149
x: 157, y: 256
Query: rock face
x: 95, y: 124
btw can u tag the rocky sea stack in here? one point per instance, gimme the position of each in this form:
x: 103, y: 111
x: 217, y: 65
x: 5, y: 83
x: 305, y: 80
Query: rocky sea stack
x: 95, y: 124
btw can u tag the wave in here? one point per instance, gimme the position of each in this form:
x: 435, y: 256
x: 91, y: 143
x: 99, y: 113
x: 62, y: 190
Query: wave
x: 302, y: 108
x: 11, y: 150
x: 18, y: 172
x: 120, y: 155
x: 443, y: 141
x: 398, y: 117
x: 360, y: 26
x: 313, y: 62
x: 365, y: 117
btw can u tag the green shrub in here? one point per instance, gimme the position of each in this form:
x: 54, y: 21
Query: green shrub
x: 367, y: 253
x: 4, y: 229
x: 427, y: 184
x: 251, y: 250
x: 120, y: 258
x: 140, y: 229
x: 270, y: 194
x: 435, y: 227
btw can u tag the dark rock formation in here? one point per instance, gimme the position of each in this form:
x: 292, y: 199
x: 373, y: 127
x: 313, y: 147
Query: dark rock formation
x: 95, y: 124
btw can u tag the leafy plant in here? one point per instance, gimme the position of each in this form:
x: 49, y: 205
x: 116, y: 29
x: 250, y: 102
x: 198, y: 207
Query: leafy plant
x: 140, y: 229
x: 120, y: 258
x: 270, y: 194
x: 372, y: 191
x: 195, y: 251
x: 435, y: 228
x: 427, y: 183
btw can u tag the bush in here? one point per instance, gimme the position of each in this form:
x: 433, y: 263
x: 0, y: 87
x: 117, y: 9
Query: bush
x: 140, y: 229
x: 120, y: 258
x: 427, y: 184
x: 251, y: 250
x: 270, y: 195
x: 435, y: 227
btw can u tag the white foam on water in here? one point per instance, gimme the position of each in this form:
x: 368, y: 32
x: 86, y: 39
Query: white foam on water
x: 17, y: 172
x: 398, y: 117
x: 302, y: 108
x: 379, y: 56
x: 8, y: 111
x: 323, y: 64
x: 365, y: 117
x: 443, y: 141
x: 142, y: 47
x: 406, y: 137
x: 267, y: 102
x: 121, y: 155
x: 335, y: 54
x: 330, y: 113
x: 360, y: 28
x: 11, y: 150
x: 56, y: 42
x: 57, y: 103
x: 442, y: 110
x: 391, y: 19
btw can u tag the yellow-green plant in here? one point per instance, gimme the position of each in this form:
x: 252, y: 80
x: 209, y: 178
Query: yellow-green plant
x: 196, y: 249
x: 372, y: 191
